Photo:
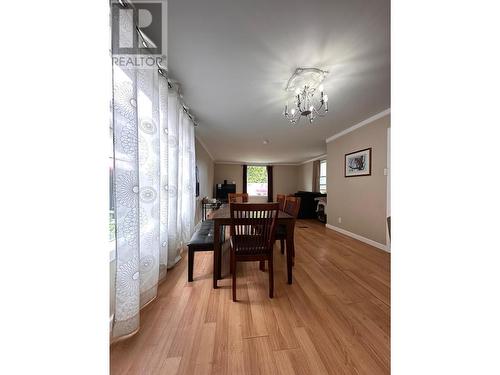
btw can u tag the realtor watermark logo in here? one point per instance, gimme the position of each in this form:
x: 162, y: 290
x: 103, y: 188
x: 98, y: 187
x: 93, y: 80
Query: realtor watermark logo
x: 137, y: 33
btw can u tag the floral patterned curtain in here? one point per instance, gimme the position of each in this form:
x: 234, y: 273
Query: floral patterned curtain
x: 154, y: 179
x: 126, y: 181
x: 181, y: 177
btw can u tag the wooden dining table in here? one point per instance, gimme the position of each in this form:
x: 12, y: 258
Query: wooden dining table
x: 222, y: 217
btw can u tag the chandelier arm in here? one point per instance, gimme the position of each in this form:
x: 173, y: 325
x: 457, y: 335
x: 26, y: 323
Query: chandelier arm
x: 318, y: 109
x: 297, y: 116
x: 321, y: 114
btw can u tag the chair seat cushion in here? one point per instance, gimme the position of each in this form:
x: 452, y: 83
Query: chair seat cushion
x: 203, y: 234
x: 246, y: 245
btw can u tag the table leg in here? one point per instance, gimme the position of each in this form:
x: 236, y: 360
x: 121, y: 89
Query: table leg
x: 217, y: 253
x: 290, y: 249
x: 262, y: 265
x: 219, y: 266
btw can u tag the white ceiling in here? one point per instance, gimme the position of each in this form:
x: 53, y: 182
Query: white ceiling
x: 234, y: 57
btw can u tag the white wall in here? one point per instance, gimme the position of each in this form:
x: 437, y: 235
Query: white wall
x: 286, y: 179
x: 360, y: 202
x: 231, y: 173
x: 305, y: 177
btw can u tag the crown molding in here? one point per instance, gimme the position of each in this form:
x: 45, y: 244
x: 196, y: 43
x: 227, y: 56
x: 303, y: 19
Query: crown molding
x: 359, y: 125
x: 253, y: 163
x: 322, y: 156
x: 205, y: 147
x: 235, y: 162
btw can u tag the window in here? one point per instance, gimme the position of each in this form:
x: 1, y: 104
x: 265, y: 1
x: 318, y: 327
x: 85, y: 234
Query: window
x: 322, y: 176
x: 257, y: 181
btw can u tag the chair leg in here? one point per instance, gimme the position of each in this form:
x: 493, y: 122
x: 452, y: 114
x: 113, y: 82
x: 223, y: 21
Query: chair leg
x: 231, y: 263
x: 234, y: 278
x: 282, y: 246
x: 190, y: 263
x: 262, y: 265
x: 271, y: 277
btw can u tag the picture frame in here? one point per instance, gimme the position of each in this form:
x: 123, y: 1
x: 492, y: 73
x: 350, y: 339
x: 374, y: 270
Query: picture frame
x: 358, y: 163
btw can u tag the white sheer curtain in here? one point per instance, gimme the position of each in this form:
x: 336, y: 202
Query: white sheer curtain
x: 181, y: 177
x: 154, y: 179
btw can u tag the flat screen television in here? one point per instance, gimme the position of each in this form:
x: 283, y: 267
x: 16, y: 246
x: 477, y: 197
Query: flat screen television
x: 222, y: 190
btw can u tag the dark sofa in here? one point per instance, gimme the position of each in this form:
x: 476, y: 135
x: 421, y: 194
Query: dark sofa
x: 308, y: 204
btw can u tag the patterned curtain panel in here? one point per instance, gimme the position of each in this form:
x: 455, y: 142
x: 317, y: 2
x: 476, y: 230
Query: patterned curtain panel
x: 149, y: 182
x: 154, y: 180
x: 127, y: 211
x: 186, y: 178
x: 163, y: 106
x: 181, y: 177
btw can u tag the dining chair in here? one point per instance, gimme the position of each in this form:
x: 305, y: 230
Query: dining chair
x: 237, y: 197
x: 280, y: 198
x: 253, y: 231
x: 292, y: 207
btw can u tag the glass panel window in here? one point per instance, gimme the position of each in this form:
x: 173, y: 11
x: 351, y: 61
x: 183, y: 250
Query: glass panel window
x: 257, y: 181
x: 322, y: 176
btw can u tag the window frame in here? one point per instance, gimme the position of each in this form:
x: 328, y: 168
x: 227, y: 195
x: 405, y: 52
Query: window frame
x: 321, y: 162
x: 267, y: 180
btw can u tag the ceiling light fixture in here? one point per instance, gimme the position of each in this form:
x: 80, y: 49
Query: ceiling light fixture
x: 303, y: 83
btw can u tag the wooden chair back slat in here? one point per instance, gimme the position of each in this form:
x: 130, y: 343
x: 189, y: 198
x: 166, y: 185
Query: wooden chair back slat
x: 253, y: 226
x: 280, y: 198
x: 292, y: 206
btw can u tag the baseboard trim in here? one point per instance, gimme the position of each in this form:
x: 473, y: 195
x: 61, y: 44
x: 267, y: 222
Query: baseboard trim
x: 376, y: 244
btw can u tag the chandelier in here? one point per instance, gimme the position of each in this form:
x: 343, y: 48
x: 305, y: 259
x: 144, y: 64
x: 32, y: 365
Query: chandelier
x: 305, y: 83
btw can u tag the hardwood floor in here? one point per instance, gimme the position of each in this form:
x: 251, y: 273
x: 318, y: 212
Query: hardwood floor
x: 333, y: 319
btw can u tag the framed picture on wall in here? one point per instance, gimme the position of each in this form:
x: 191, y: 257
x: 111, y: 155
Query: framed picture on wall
x: 358, y: 163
